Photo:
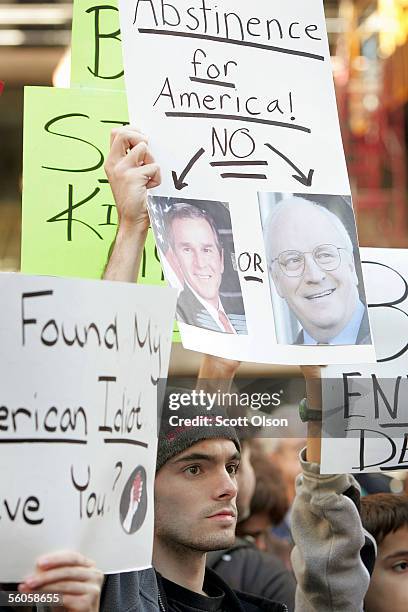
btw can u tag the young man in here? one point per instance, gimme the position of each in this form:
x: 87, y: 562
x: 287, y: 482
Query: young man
x: 326, y: 525
x: 385, y: 516
x: 195, y: 512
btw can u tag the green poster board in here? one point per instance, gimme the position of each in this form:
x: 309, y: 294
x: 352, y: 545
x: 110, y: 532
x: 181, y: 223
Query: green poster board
x: 96, y: 59
x: 69, y: 216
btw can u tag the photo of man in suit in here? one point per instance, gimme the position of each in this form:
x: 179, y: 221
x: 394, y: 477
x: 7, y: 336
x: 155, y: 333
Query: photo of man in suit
x: 311, y: 263
x: 195, y: 253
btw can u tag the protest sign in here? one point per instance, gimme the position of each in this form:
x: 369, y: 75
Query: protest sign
x: 234, y: 151
x: 365, y: 420
x: 69, y: 216
x: 81, y: 366
x: 68, y: 207
x: 96, y: 57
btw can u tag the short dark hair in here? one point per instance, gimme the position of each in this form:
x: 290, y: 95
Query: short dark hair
x: 184, y: 210
x: 270, y: 495
x: 384, y: 513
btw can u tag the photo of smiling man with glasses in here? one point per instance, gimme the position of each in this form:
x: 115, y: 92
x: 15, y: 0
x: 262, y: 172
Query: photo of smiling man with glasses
x: 311, y: 262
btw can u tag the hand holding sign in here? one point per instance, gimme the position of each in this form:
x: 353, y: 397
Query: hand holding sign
x: 70, y: 574
x: 131, y: 171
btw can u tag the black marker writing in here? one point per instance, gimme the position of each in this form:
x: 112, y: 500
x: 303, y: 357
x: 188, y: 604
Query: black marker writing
x: 92, y: 504
x: 251, y: 261
x: 240, y: 143
x: 153, y: 344
x: 47, y: 128
x: 26, y: 509
x: 53, y: 332
x: 103, y: 36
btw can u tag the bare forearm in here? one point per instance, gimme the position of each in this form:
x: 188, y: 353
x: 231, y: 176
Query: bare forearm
x: 314, y: 428
x: 216, y: 372
x: 127, y: 252
x: 131, y: 171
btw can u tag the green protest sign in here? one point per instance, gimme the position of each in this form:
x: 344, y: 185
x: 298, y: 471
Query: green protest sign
x: 69, y: 215
x: 96, y: 59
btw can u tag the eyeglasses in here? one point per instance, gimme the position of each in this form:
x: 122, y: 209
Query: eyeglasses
x: 326, y: 256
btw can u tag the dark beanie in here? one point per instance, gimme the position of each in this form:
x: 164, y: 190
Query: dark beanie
x: 174, y: 439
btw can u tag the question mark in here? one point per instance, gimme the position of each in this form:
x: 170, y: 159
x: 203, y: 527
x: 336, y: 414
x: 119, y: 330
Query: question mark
x: 119, y: 465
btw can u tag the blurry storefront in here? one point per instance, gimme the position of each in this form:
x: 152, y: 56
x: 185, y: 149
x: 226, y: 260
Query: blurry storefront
x: 370, y: 64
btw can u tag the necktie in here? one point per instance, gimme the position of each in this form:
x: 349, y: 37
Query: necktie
x: 225, y: 322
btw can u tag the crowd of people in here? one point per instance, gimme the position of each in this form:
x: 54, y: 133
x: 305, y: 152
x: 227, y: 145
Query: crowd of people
x: 241, y: 525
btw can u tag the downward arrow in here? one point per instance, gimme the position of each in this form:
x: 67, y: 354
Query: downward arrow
x: 178, y: 181
x: 300, y: 176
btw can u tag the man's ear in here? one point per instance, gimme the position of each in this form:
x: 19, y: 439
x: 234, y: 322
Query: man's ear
x: 276, y: 279
x: 222, y: 260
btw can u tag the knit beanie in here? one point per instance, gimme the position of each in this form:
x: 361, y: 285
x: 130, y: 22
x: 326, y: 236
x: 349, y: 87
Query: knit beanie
x: 183, y: 426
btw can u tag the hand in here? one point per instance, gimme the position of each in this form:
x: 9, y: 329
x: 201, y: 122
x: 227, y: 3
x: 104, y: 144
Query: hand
x: 218, y: 368
x: 131, y: 171
x: 70, y: 574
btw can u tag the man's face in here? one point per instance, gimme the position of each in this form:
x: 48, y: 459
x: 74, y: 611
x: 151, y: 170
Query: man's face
x: 257, y: 527
x: 195, y: 497
x: 323, y: 301
x: 286, y: 459
x: 389, y: 583
x: 201, y: 262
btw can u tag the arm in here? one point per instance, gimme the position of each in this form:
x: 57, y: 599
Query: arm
x: 72, y: 575
x: 314, y: 399
x: 218, y: 368
x: 216, y: 374
x: 326, y: 528
x: 131, y: 171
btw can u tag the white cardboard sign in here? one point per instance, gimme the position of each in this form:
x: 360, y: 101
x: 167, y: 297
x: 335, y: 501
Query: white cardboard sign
x: 81, y: 366
x: 366, y: 406
x: 238, y: 102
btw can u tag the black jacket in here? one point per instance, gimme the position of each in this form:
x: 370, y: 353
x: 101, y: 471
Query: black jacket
x: 234, y: 601
x: 245, y: 568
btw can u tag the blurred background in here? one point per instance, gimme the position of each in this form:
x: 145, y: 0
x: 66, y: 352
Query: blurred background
x: 369, y: 52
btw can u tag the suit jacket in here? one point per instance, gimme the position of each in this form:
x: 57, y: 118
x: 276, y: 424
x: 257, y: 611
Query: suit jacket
x: 363, y: 336
x: 191, y: 311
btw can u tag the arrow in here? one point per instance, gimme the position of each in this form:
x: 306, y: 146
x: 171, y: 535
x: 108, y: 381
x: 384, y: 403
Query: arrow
x: 306, y: 180
x: 178, y: 181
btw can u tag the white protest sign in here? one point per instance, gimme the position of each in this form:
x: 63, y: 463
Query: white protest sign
x: 81, y: 366
x: 366, y: 406
x: 238, y: 102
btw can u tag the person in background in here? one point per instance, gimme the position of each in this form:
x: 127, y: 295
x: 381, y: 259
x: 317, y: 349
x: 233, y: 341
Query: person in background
x: 269, y: 506
x: 385, y: 516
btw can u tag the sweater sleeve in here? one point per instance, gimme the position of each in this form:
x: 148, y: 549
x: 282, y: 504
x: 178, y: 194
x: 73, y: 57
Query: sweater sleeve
x: 328, y: 536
